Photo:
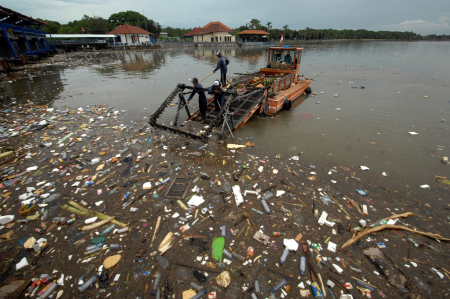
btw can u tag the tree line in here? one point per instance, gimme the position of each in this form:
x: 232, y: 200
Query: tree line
x: 312, y: 34
x: 99, y: 25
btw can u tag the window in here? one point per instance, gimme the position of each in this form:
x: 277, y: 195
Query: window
x: 212, y: 39
x: 216, y: 38
x: 220, y: 38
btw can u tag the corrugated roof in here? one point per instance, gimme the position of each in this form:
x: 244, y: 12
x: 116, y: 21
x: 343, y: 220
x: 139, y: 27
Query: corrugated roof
x: 256, y: 32
x: 80, y: 35
x: 10, y: 16
x: 128, y: 29
x: 193, y: 32
x: 214, y: 27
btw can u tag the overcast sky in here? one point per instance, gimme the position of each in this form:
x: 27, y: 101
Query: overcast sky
x: 420, y: 16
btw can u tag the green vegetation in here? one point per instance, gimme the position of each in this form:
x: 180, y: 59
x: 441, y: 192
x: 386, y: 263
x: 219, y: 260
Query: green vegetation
x: 99, y: 25
x: 310, y: 34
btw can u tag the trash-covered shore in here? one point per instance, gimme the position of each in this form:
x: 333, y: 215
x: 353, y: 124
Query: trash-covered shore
x: 94, y: 206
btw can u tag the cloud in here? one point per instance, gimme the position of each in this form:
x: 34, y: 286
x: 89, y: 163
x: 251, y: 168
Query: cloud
x: 441, y: 26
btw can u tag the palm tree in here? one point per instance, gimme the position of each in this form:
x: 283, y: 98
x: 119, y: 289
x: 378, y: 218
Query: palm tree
x: 269, y: 26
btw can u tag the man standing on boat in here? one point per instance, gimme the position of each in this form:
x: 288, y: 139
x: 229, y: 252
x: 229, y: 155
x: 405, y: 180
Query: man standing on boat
x: 219, y: 99
x: 198, y: 88
x: 222, y: 65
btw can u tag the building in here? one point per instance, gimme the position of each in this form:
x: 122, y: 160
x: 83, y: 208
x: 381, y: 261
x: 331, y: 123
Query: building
x: 163, y: 34
x: 253, y: 35
x: 21, y: 40
x: 131, y: 35
x: 212, y: 32
x: 193, y: 32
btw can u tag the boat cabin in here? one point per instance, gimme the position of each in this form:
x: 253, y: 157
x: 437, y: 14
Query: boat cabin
x: 283, y: 60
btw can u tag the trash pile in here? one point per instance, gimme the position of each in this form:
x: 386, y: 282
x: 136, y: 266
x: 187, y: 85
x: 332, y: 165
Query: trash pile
x: 93, y: 206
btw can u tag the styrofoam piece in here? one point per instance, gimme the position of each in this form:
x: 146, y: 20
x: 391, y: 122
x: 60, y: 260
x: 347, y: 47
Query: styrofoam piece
x: 290, y: 244
x: 196, y: 200
x: 238, y: 195
x: 323, y: 218
x: 90, y: 220
x: 22, y: 264
x: 6, y: 219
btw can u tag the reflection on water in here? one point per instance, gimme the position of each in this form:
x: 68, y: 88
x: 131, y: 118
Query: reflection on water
x: 370, y: 127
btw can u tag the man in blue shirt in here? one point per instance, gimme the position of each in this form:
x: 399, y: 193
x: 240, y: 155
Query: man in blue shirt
x: 198, y: 88
x: 288, y: 58
x: 219, y: 99
x: 222, y: 65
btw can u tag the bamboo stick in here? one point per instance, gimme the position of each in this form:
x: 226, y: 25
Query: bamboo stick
x: 97, y: 224
x: 93, y: 213
x: 158, y: 223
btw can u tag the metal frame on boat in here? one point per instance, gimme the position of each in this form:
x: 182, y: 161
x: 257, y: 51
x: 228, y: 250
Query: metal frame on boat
x: 266, y: 91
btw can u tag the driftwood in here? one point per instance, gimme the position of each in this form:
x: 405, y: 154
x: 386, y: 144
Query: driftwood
x: 404, y: 215
x: 389, y: 226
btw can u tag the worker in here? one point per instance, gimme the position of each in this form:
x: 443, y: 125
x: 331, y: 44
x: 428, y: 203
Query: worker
x: 222, y: 65
x: 219, y: 99
x: 198, y: 88
x: 288, y: 58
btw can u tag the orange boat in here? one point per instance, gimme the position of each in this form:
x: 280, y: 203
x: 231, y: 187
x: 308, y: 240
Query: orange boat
x: 266, y: 91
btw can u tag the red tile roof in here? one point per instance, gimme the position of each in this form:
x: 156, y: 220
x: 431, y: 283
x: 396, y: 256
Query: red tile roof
x: 128, y: 29
x: 257, y: 32
x: 193, y: 32
x: 214, y: 27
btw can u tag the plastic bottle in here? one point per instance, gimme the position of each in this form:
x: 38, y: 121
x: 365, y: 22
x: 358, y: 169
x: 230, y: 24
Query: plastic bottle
x: 36, y: 248
x: 183, y: 219
x: 253, y: 296
x: 284, y: 256
x: 302, y: 265
x: 156, y: 282
x: 93, y: 250
x: 108, y: 229
x: 227, y: 254
x: 257, y: 287
x: 99, y: 245
x: 199, y: 295
x: 70, y: 221
x: 94, y: 161
x: 115, y: 246
x: 124, y: 150
x: 125, y: 196
x: 267, y: 196
x: 52, y: 197
x: 44, y: 216
x: 223, y: 231
x: 45, y: 289
x: 195, y: 286
x: 265, y: 206
x: 50, y: 289
x: 122, y: 230
x: 238, y: 256
x: 59, y: 219
x: 278, y: 234
x: 88, y: 283
x: 279, y: 285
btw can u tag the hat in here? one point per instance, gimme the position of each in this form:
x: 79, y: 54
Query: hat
x: 194, y: 80
x: 216, y: 83
x: 218, y: 53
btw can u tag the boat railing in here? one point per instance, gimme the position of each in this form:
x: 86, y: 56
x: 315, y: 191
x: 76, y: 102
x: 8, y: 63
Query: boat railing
x: 283, y: 83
